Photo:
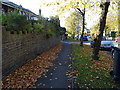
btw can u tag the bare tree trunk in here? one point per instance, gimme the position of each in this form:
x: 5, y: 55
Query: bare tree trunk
x: 81, y: 38
x: 97, y: 43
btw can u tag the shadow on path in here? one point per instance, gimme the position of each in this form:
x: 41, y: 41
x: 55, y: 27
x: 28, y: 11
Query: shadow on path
x: 57, y: 75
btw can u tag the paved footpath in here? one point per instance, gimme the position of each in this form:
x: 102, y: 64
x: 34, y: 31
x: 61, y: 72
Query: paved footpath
x: 57, y: 75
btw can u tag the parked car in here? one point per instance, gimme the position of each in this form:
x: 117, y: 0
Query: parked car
x: 105, y: 44
x: 79, y: 36
x: 117, y: 39
x: 85, y: 38
x: 104, y: 38
x: 89, y: 38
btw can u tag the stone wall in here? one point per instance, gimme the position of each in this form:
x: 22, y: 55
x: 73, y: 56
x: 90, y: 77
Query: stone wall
x: 17, y: 49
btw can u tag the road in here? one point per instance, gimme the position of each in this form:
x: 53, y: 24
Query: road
x: 116, y: 44
x: 85, y: 42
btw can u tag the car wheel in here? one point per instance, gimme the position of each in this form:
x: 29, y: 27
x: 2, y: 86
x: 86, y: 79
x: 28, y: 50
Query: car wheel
x: 113, y: 54
x: 111, y: 73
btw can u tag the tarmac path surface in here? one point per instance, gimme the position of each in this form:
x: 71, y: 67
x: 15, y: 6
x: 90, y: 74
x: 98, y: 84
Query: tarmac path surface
x: 58, y: 74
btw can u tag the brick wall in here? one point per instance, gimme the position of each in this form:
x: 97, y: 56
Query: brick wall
x: 17, y: 49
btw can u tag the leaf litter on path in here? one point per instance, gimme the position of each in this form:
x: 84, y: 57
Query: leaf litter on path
x: 26, y: 76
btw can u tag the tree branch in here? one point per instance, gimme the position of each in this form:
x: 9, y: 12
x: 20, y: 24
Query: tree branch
x: 80, y: 11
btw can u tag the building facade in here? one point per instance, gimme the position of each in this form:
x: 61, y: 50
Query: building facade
x: 8, y: 6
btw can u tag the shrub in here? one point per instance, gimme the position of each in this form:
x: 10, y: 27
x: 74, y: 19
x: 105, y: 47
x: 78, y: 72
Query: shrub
x: 38, y: 27
x: 15, y: 21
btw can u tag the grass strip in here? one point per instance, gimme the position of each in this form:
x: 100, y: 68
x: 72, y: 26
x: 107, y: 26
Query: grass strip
x: 92, y: 73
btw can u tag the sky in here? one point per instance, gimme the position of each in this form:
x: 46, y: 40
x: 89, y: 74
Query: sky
x: 34, y: 6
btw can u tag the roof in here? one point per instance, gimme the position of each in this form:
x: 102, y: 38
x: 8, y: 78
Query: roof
x: 17, y: 6
x: 4, y: 0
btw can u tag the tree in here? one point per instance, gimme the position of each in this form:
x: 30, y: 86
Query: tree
x: 79, y: 5
x: 94, y: 29
x: 73, y: 20
x: 62, y: 30
x: 111, y: 20
x: 104, y: 6
x: 83, y: 15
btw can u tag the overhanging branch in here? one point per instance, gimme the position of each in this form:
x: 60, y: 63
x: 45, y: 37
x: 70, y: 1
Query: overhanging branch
x: 80, y: 11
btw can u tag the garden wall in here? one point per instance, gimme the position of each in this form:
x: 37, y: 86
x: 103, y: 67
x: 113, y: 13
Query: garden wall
x: 17, y: 49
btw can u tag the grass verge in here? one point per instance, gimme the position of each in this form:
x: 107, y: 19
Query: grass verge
x: 92, y: 73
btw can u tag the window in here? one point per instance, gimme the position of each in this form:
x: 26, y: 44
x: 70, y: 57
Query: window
x: 3, y: 11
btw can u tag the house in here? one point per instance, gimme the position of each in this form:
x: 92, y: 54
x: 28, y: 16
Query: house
x: 8, y: 6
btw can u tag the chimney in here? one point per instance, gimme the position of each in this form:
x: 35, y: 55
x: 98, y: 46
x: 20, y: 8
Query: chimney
x: 39, y: 11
